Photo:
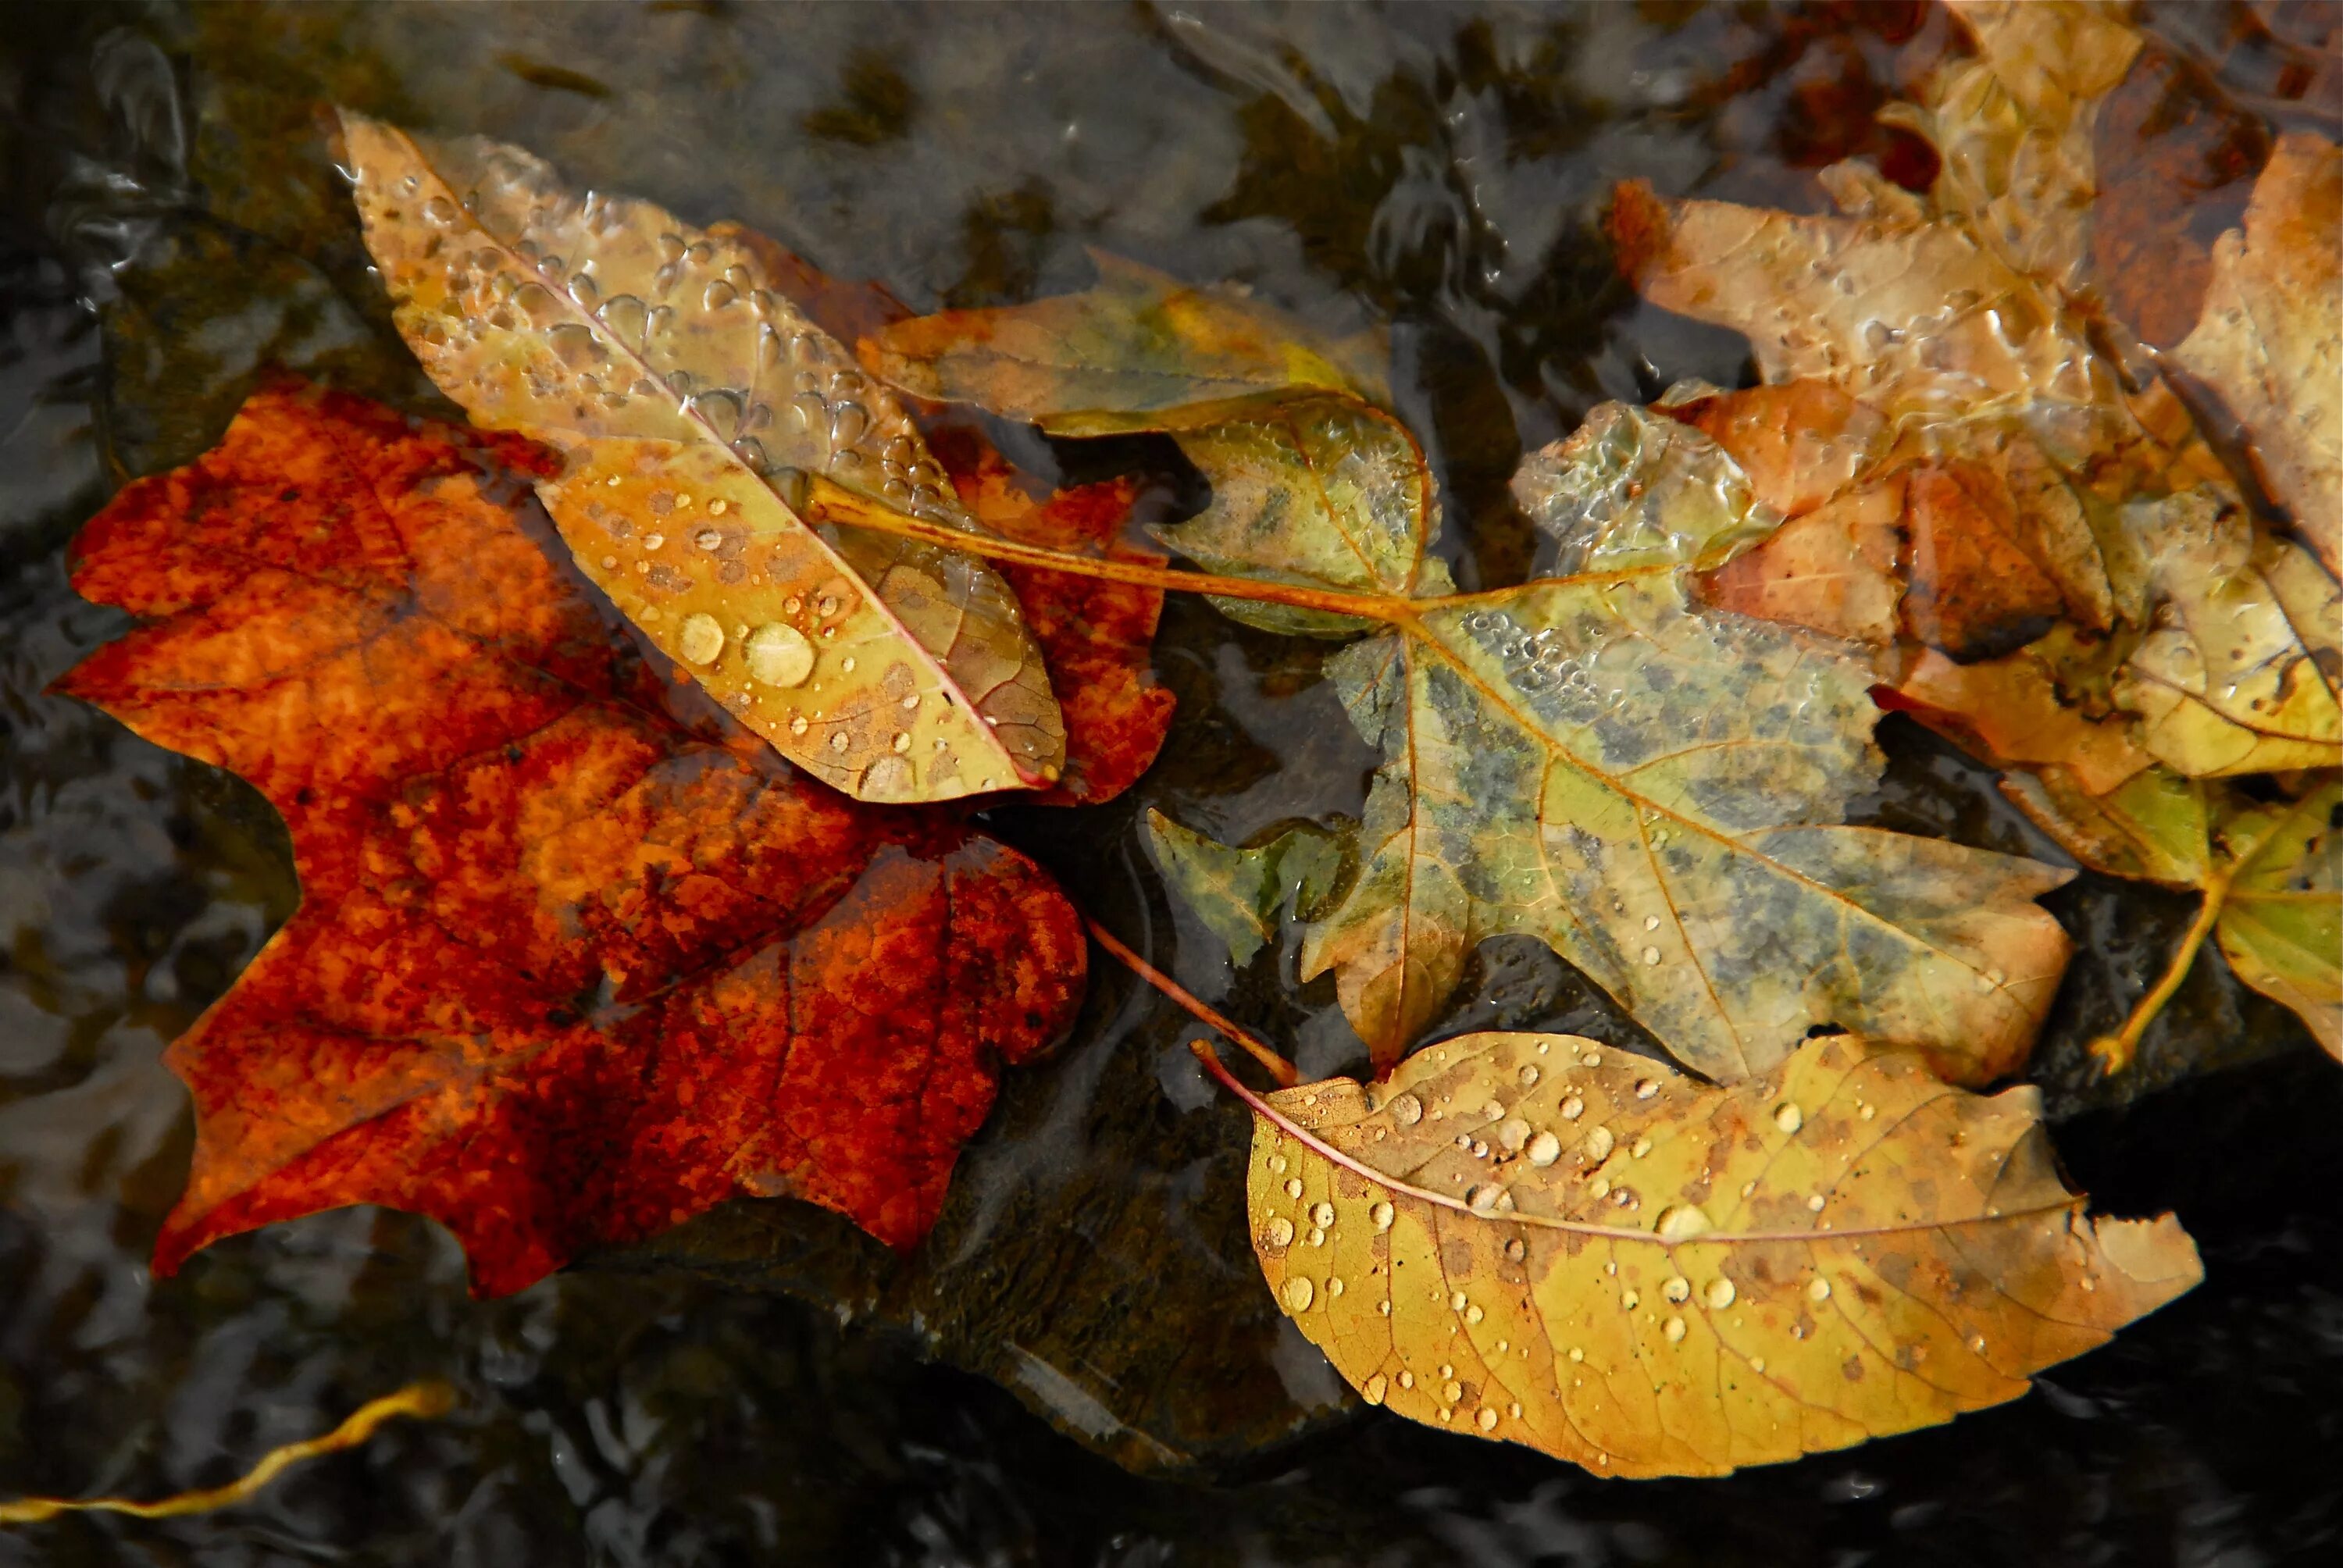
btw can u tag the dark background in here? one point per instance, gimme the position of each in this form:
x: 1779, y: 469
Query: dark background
x: 766, y: 1386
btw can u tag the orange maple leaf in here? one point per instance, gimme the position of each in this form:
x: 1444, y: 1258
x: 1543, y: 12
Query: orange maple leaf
x: 568, y: 968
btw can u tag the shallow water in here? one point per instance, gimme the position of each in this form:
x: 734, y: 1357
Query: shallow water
x: 766, y: 1387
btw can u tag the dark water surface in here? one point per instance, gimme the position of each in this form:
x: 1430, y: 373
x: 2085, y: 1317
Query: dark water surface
x: 766, y: 1387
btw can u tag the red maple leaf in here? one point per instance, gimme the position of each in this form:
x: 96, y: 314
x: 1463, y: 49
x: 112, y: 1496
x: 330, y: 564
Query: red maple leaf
x: 568, y: 970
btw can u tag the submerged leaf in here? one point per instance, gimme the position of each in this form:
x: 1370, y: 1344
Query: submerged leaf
x: 1239, y: 894
x: 2271, y: 875
x: 2270, y: 340
x: 2241, y: 673
x: 2009, y: 712
x: 1632, y: 488
x: 1137, y: 342
x: 563, y: 972
x: 673, y: 379
x: 1535, y: 1240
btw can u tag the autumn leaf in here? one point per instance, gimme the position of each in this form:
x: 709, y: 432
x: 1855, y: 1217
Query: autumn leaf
x: 1630, y: 488
x: 2270, y: 874
x: 656, y: 359
x: 2271, y: 338
x: 2241, y: 671
x: 2009, y: 711
x: 1537, y: 1240
x: 1137, y: 342
x: 565, y: 972
x: 1241, y: 894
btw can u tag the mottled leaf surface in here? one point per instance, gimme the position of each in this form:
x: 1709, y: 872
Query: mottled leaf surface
x: 1240, y: 893
x: 1533, y: 1239
x: 564, y: 971
x: 658, y: 360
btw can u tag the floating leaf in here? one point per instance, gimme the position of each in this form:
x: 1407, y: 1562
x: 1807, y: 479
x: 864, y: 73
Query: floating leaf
x: 1239, y: 894
x: 658, y: 362
x: 2013, y: 127
x: 2270, y: 339
x: 2240, y: 674
x: 1315, y: 489
x: 1535, y: 1240
x: 2271, y: 875
x: 564, y: 971
x: 1137, y: 342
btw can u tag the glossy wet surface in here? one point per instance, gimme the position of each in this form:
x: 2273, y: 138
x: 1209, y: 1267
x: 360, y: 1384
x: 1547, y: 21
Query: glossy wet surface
x: 766, y: 1386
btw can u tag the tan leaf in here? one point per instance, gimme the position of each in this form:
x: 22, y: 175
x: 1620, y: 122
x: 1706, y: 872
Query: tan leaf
x: 671, y: 378
x: 2009, y: 712
x: 1800, y: 444
x: 2013, y: 127
x: 2270, y: 339
x: 1536, y: 1239
x: 2240, y: 674
x: 2270, y: 873
x: 1136, y: 342
x: 1836, y: 568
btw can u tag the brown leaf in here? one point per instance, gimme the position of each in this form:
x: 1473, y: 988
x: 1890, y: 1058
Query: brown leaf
x: 2270, y: 340
x: 565, y: 972
x: 2009, y: 712
x: 1974, y: 591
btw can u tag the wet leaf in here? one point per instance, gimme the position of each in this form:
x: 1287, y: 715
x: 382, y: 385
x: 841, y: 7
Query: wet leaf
x: 660, y: 363
x: 2009, y: 711
x: 2271, y: 875
x: 1137, y: 342
x: 1311, y: 488
x: 2270, y: 339
x: 1241, y: 894
x: 565, y: 972
x: 2241, y: 671
x: 1534, y: 1240
x: 2013, y: 127
x: 1096, y: 637
x: 1631, y: 488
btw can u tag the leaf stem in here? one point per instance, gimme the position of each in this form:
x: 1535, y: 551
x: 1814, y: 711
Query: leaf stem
x: 421, y: 1400
x: 1277, y: 1065
x: 2117, y: 1050
x: 819, y: 500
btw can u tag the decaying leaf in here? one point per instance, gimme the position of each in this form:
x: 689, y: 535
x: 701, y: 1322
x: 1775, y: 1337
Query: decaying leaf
x: 673, y: 379
x: 1630, y: 488
x: 2241, y: 672
x: 2009, y: 712
x: 565, y: 972
x: 1536, y: 1239
x: 1137, y: 342
x: 2271, y: 875
x: 2270, y: 340
x: 2013, y: 127
x: 1240, y: 893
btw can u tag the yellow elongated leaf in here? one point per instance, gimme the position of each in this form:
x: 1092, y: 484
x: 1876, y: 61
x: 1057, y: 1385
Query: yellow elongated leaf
x: 1537, y: 1240
x: 655, y: 358
x: 2270, y: 874
x: 2241, y: 672
x: 2271, y: 338
x: 1137, y: 342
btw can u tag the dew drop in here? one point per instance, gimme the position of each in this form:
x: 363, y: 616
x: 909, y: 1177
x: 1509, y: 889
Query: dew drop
x: 1487, y: 1420
x: 1381, y: 1215
x: 1334, y: 1286
x: 1677, y: 1289
x: 1646, y: 1087
x: 1674, y: 1330
x: 1719, y: 1294
x: 901, y: 743
x: 1819, y: 1290
x: 1651, y: 955
x: 1629, y: 1301
x: 1483, y: 1199
x: 1511, y: 1134
x: 1651, y: 922
x: 1324, y: 1214
x: 1788, y: 1117
x: 889, y: 778
x: 1573, y: 1109
x: 1279, y: 1232
x: 1517, y: 1250
x: 1406, y: 1379
x: 1452, y: 1390
x: 1528, y: 1076
x: 1294, y: 1187
x: 1543, y: 1150
x: 701, y: 640
x: 1407, y: 1110
x: 1317, y: 1236
x: 798, y: 725
x: 1599, y: 1187
x: 1373, y: 1390
x: 1299, y: 1294
x: 1682, y: 1220
x: 1593, y: 1059
x: 1599, y: 1144
x: 779, y: 655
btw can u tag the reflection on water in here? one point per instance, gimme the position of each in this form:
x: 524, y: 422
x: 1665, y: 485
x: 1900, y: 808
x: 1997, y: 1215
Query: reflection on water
x: 1439, y: 168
